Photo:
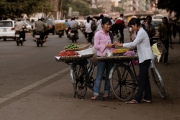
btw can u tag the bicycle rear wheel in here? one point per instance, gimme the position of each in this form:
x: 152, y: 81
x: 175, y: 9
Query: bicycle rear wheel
x: 122, y: 82
x: 158, y: 82
x: 78, y: 79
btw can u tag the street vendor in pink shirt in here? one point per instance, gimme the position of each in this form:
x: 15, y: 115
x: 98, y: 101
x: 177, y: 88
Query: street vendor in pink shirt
x: 103, y: 44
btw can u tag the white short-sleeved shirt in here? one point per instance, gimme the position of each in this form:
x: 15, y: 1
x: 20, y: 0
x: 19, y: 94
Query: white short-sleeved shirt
x: 88, y: 27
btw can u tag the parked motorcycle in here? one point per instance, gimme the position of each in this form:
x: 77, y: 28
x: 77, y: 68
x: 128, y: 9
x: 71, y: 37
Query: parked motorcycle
x: 39, y: 38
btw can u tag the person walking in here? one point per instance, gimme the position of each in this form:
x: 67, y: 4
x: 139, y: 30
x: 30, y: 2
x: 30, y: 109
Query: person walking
x: 164, y: 37
x: 150, y: 29
x: 145, y: 55
x: 102, y: 44
x: 120, y: 26
x: 99, y: 23
x: 88, y: 30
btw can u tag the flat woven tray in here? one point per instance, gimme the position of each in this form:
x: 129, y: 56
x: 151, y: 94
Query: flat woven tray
x: 82, y: 47
x: 117, y: 58
x: 73, y: 58
x: 118, y: 54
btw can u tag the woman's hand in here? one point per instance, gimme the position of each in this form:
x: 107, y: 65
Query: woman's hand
x: 118, y: 44
x: 110, y: 46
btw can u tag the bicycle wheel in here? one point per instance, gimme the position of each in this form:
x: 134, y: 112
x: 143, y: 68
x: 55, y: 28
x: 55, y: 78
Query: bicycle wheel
x: 78, y: 78
x: 158, y: 82
x: 91, y: 76
x: 122, y: 82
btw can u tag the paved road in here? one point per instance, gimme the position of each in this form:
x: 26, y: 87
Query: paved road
x: 33, y: 86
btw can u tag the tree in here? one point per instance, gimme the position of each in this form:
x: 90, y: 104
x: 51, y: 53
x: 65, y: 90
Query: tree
x: 76, y: 5
x: 170, y: 5
x: 118, y: 9
x: 96, y: 10
x: 15, y: 8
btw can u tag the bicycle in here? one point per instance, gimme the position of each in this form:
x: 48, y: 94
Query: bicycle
x: 124, y: 80
x: 81, y: 74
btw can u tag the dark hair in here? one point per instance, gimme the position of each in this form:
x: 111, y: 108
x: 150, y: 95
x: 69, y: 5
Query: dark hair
x: 149, y: 17
x: 166, y: 20
x: 136, y: 21
x: 88, y: 19
x: 101, y: 16
x: 106, y: 20
x: 121, y: 15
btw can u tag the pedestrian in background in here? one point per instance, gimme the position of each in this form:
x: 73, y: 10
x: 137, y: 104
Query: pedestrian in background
x: 150, y: 29
x: 99, y: 22
x: 120, y: 27
x: 164, y: 37
x: 88, y: 30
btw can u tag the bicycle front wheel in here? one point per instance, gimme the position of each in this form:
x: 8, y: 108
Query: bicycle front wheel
x: 158, y: 82
x: 122, y: 82
x: 78, y: 79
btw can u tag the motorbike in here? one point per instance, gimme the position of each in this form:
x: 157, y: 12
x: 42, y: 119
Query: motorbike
x: 73, y: 34
x: 39, y: 38
x: 60, y: 33
x: 19, y: 37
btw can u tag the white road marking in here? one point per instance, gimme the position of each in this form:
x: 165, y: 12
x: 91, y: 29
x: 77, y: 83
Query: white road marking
x: 25, y: 89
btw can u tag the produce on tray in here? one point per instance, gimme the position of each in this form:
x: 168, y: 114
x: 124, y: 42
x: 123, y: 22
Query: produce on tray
x: 71, y: 46
x: 117, y: 51
x: 67, y: 53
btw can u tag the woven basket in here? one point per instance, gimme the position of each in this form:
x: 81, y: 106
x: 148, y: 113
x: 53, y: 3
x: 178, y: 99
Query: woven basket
x: 118, y: 54
x: 75, y: 58
x: 83, y: 46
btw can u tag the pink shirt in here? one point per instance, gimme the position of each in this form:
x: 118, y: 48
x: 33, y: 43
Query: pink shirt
x: 100, y: 40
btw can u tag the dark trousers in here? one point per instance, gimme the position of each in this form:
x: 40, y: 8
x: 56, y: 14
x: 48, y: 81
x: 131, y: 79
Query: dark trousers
x: 166, y: 45
x: 143, y: 83
x: 121, y: 29
x: 90, y: 36
x: 23, y: 34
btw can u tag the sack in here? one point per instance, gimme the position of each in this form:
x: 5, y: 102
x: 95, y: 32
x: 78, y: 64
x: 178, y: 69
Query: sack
x: 159, y: 50
x: 93, y: 27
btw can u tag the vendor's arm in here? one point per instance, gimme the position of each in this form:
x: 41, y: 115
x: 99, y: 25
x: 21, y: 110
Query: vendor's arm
x: 140, y: 36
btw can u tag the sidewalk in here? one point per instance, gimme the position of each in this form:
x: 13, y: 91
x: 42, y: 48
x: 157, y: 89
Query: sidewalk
x: 55, y: 101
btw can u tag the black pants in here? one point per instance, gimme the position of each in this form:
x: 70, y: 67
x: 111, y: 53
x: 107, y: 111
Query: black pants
x: 166, y: 45
x: 90, y: 36
x: 143, y: 83
x: 121, y: 29
x: 23, y: 34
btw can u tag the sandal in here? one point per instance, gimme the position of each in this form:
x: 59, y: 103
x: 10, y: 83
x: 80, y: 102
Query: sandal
x: 97, y: 98
x: 132, y: 102
x: 145, y: 101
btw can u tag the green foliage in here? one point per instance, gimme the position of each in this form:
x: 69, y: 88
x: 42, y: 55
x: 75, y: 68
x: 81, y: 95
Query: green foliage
x: 76, y: 5
x: 118, y: 9
x: 15, y: 8
x: 96, y: 10
x: 170, y: 5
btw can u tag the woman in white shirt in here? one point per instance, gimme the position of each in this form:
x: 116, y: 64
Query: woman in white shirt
x: 99, y: 23
x: 88, y: 31
x: 145, y: 55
